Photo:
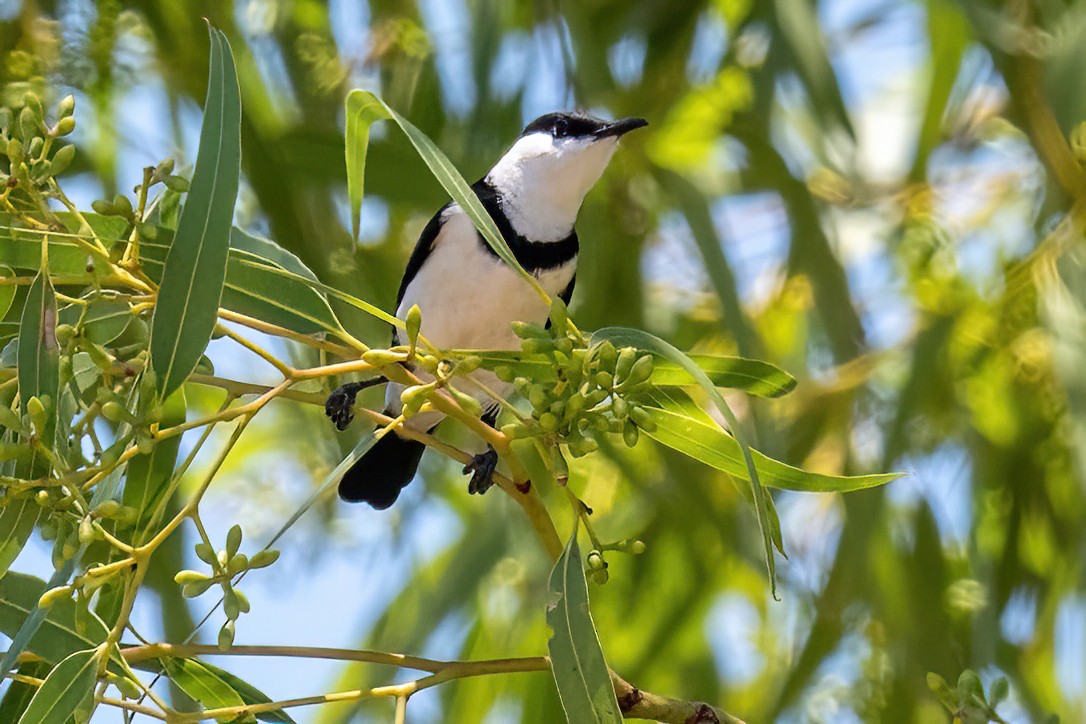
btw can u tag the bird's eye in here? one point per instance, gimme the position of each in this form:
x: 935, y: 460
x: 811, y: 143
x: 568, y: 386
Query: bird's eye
x: 561, y: 128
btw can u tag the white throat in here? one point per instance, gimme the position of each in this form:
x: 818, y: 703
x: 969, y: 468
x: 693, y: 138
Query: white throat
x: 543, y: 181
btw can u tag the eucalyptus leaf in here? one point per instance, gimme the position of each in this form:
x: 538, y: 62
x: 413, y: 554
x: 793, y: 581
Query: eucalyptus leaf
x: 66, y: 688
x: 187, y: 307
x: 17, y: 519
x: 203, y: 685
x: 249, y: 694
x: 7, y: 289
x: 768, y: 522
x: 577, y: 662
x: 697, y: 435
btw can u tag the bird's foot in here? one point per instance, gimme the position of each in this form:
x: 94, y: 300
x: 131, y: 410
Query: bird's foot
x: 482, y: 468
x: 340, y: 404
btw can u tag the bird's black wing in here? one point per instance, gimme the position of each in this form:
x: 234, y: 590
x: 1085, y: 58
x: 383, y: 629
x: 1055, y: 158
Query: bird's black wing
x: 422, y: 250
x: 566, y: 294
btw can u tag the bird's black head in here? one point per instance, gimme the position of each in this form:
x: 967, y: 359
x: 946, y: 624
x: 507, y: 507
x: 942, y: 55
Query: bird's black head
x: 580, y: 125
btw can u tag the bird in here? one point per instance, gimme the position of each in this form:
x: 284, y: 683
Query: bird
x: 469, y: 298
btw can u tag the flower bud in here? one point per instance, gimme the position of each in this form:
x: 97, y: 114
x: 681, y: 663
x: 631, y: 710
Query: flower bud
x: 237, y: 564
x: 640, y: 372
x: 226, y: 636
x: 382, y: 357
x: 516, y: 431
x: 86, y: 531
x: 626, y: 358
x: 538, y: 346
x: 468, y: 403
x: 123, y: 205
x: 504, y: 373
x: 54, y: 595
x: 264, y: 558
x: 64, y: 126
x: 595, y: 560
x: 548, y: 422
x: 413, y: 398
x: 468, y: 365
x: 205, y: 553
x: 527, y: 330
x: 61, y: 159
x: 630, y: 433
x: 114, y: 411
x: 178, y: 184
x: 230, y: 605
x: 233, y: 540
x: 67, y: 106
x: 642, y: 418
x: 606, y: 355
x: 196, y: 588
x: 412, y: 324
x: 185, y: 577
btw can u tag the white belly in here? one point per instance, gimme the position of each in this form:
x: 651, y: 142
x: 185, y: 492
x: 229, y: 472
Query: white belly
x: 469, y: 298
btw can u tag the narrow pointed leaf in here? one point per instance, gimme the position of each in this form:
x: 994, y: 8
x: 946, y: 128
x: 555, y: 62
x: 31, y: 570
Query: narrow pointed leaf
x: 202, y: 684
x: 763, y: 503
x: 697, y: 435
x: 577, y: 662
x: 147, y: 476
x: 17, y: 519
x: 249, y: 694
x: 58, y: 635
x: 192, y: 280
x: 39, y: 353
x: 68, y: 685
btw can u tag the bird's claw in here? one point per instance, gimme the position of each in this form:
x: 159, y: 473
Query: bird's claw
x: 340, y: 405
x: 482, y: 468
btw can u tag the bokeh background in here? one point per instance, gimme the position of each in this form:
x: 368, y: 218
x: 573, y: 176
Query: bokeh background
x: 877, y: 196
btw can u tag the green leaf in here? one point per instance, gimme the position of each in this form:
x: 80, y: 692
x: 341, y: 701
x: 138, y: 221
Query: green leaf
x: 683, y: 426
x: 21, y: 248
x: 64, y: 690
x: 147, y: 476
x: 7, y: 290
x: 768, y: 523
x: 17, y: 519
x: 17, y: 697
x: 58, y: 635
x: 39, y: 354
x: 249, y: 694
x: 202, y: 684
x: 263, y: 281
x: 363, y: 109
x: 192, y: 281
x: 104, y: 321
x: 580, y: 671
x: 752, y: 376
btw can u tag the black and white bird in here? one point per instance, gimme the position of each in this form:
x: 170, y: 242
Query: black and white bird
x: 469, y: 297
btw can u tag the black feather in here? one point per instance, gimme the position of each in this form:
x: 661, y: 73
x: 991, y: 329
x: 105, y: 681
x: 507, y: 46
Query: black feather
x: 378, y: 476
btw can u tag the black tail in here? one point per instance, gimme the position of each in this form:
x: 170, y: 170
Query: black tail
x: 379, y: 475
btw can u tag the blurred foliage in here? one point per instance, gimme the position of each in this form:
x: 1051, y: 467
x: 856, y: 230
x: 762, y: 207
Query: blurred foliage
x: 879, y: 197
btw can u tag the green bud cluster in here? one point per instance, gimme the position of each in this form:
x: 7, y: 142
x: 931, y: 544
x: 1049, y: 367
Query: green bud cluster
x: 226, y: 565
x: 32, y: 148
x: 593, y: 392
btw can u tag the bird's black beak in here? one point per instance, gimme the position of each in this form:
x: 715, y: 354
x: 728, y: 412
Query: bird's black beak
x: 620, y: 128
